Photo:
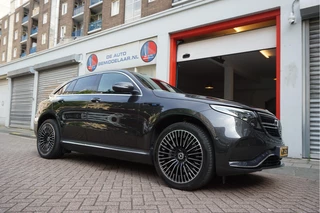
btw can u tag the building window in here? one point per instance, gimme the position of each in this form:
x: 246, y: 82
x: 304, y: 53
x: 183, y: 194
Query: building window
x: 45, y: 1
x: 64, y: 8
x: 63, y: 31
x: 5, y: 24
x: 115, y: 5
x: 16, y: 35
x: 15, y: 52
x: 3, y: 56
x: 17, y: 17
x: 43, y: 38
x: 150, y: 1
x: 133, y: 10
x: 45, y: 18
x: 4, y: 40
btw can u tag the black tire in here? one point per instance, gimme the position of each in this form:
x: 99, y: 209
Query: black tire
x: 184, y: 156
x: 48, y: 140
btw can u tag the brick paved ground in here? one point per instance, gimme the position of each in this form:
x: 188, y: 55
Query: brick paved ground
x: 84, y: 183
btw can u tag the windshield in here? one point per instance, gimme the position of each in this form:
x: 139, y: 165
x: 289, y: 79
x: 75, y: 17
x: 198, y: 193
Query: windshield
x: 156, y: 84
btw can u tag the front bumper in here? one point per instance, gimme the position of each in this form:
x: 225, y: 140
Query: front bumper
x: 270, y: 158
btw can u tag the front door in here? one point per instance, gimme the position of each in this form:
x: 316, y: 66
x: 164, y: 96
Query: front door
x: 113, y: 117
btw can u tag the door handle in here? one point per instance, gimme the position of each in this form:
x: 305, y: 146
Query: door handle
x: 95, y: 100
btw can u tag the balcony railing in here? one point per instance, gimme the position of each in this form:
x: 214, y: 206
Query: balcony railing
x: 78, y: 10
x: 23, y: 55
x: 25, y: 19
x: 33, y: 50
x: 95, y: 25
x: 92, y: 2
x: 77, y: 33
x: 24, y: 37
x: 34, y: 30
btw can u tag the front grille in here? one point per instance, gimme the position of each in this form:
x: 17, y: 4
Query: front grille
x: 271, y: 124
x: 271, y: 161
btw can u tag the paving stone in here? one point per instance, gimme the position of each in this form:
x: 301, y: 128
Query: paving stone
x: 86, y: 183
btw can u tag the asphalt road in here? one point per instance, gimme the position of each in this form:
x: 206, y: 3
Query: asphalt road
x: 86, y: 183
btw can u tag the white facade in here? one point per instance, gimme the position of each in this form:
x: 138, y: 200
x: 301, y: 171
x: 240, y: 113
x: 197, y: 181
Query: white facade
x: 159, y: 27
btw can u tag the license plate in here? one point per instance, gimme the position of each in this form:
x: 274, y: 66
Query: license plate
x: 283, y: 151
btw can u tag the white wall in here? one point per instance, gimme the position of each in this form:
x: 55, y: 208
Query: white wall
x: 199, y: 13
x: 4, y: 100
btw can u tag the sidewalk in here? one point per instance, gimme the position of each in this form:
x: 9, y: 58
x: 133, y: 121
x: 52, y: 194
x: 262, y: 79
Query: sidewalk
x: 305, y: 168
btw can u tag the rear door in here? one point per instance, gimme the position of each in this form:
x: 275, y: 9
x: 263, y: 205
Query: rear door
x: 113, y: 117
x: 70, y: 105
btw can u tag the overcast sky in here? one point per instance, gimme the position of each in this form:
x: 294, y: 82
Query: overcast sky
x: 4, y: 7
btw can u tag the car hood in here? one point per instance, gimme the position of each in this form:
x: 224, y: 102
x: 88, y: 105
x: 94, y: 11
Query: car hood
x: 204, y: 99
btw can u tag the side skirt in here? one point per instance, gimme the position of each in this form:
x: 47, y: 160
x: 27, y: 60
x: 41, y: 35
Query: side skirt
x: 116, y: 152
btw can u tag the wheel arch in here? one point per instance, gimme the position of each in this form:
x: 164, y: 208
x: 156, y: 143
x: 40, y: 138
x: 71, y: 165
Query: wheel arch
x: 46, y: 116
x: 195, y: 119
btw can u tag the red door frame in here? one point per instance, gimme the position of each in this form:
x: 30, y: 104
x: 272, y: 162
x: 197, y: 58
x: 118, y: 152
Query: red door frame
x: 266, y: 16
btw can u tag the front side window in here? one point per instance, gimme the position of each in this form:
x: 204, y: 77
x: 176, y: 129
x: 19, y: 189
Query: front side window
x: 132, y: 10
x: 3, y: 56
x: 4, y: 40
x: 109, y: 79
x: 46, y: 1
x: 5, y: 24
x: 86, y: 85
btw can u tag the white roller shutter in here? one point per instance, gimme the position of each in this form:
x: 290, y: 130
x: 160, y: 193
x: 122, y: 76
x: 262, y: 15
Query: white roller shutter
x: 314, y: 87
x: 21, y: 101
x: 259, y: 39
x: 50, y: 79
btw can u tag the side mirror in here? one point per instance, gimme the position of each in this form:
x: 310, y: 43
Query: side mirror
x: 123, y: 87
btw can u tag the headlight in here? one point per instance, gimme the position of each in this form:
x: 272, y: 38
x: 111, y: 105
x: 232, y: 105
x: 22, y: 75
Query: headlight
x: 243, y: 114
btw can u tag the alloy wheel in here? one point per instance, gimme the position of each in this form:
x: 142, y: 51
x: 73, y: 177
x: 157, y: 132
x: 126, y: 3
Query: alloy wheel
x: 180, y: 156
x: 46, y: 138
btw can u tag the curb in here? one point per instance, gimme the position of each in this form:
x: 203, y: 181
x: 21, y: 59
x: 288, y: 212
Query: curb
x: 22, y: 135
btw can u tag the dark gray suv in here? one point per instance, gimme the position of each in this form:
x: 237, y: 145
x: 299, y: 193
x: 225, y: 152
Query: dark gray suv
x: 188, y: 138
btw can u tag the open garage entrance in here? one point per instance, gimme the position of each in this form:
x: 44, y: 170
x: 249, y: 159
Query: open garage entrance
x: 248, y: 78
x: 237, y: 60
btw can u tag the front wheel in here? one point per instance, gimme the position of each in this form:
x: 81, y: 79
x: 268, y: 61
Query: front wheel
x: 184, y: 156
x: 48, y: 140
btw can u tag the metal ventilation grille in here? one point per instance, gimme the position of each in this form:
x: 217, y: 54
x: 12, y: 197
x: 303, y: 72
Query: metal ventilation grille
x: 271, y: 124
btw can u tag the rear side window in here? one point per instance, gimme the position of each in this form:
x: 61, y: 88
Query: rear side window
x: 86, y: 85
x: 109, y: 79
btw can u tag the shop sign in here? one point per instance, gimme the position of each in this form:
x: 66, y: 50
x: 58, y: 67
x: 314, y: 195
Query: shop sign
x: 134, y: 54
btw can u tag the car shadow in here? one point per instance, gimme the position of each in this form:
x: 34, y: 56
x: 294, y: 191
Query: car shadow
x: 148, y: 171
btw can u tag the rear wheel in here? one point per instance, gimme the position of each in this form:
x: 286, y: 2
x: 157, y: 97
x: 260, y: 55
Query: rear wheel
x: 184, y: 156
x: 48, y: 140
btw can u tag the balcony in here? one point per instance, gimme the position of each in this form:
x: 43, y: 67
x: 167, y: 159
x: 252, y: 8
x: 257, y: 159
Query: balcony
x: 25, y: 21
x: 24, y: 38
x: 78, y: 13
x: 33, y: 50
x: 93, y: 2
x: 96, y: 5
x: 34, y: 32
x: 95, y: 26
x: 35, y: 13
x: 77, y: 33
